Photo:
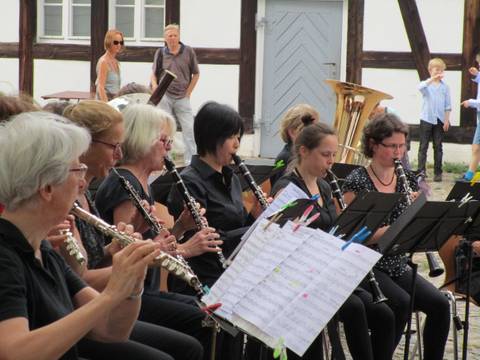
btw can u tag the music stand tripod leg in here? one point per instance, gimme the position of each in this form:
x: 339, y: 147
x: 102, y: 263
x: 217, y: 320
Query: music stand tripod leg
x: 412, y: 300
x: 467, y: 245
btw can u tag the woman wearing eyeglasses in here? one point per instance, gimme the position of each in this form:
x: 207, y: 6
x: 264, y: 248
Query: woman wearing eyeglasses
x: 175, y: 318
x: 384, y: 139
x: 46, y: 309
x: 108, y: 67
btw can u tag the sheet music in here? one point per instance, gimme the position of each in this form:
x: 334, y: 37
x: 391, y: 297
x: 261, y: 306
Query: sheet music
x: 286, y: 284
x: 289, y: 193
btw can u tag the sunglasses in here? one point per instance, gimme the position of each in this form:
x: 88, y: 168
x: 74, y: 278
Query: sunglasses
x: 116, y: 42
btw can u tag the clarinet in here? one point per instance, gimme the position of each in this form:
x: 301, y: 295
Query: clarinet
x: 156, y: 227
x: 164, y: 260
x: 378, y: 296
x: 191, y: 204
x: 434, y: 266
x: 257, y: 191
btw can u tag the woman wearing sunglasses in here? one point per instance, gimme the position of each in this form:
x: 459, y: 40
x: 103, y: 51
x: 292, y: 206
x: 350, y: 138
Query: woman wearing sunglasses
x: 108, y: 68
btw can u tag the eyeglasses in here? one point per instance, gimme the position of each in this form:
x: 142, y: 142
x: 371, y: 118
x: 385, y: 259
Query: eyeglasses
x: 394, y: 146
x: 166, y: 141
x: 81, y: 170
x: 116, y: 42
x: 115, y: 147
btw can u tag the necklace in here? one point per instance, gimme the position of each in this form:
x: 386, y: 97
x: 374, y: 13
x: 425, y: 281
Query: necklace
x: 381, y: 182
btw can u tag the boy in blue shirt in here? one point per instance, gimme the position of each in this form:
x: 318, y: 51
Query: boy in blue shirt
x: 435, y: 117
x: 474, y: 103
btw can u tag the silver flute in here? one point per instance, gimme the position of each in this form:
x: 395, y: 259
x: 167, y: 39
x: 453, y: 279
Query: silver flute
x: 191, y: 204
x: 164, y: 260
x: 151, y: 221
x: 378, y: 296
x: 434, y: 266
x: 72, y: 247
x: 257, y: 191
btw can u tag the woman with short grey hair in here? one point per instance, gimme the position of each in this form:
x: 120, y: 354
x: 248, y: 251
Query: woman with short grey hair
x: 45, y: 307
x: 148, y: 139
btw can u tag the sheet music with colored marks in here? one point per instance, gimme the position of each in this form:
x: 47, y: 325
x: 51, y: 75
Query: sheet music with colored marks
x: 289, y: 284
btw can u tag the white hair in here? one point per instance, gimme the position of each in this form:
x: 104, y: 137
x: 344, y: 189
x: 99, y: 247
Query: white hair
x: 37, y: 149
x: 143, y: 122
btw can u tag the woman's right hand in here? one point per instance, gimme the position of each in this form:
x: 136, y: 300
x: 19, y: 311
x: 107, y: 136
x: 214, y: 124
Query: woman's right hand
x: 205, y: 240
x: 129, y: 267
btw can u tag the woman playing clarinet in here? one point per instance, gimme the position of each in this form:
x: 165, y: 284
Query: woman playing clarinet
x: 384, y: 140
x: 314, y: 153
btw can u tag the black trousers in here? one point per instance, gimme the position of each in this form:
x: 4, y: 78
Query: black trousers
x: 429, y: 300
x: 147, y: 342
x: 178, y: 312
x: 435, y: 132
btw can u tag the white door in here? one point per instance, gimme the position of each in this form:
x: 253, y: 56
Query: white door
x: 302, y: 49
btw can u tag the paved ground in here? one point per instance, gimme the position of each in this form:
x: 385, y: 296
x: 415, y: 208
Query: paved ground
x: 439, y: 192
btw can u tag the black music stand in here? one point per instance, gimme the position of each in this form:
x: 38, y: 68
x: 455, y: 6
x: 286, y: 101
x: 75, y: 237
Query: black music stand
x: 367, y: 209
x: 469, y: 230
x: 462, y: 188
x: 424, y: 226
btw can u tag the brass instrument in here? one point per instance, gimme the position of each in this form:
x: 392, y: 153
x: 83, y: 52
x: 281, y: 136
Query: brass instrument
x: 378, y: 296
x: 72, y: 247
x: 163, y: 260
x: 354, y: 105
x: 433, y: 264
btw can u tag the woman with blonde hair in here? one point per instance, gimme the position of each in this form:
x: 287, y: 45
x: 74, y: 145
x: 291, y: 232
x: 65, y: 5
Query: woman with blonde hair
x: 108, y: 68
x: 292, y: 123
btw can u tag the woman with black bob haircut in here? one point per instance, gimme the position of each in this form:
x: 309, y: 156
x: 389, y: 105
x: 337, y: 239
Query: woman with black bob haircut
x: 213, y: 183
x: 214, y: 124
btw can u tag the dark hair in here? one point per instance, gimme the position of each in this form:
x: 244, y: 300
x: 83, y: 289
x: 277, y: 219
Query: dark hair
x: 215, y: 123
x: 14, y: 105
x: 380, y: 128
x: 133, y: 88
x: 311, y: 136
x: 56, y: 107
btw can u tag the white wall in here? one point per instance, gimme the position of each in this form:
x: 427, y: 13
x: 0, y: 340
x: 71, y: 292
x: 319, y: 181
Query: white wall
x: 9, y: 19
x: 9, y: 76
x: 407, y: 100
x: 210, y: 23
x: 384, y: 31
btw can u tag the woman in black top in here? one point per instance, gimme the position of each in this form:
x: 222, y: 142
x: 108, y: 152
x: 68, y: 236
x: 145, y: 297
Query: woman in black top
x: 384, y: 139
x: 106, y: 126
x: 314, y: 149
x: 212, y: 182
x: 45, y: 308
x: 290, y: 126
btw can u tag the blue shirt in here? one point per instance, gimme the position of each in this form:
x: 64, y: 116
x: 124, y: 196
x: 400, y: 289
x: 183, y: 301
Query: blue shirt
x: 436, y: 101
x: 475, y: 103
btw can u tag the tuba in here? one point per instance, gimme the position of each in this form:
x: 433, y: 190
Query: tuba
x: 354, y: 105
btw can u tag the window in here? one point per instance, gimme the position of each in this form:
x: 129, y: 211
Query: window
x: 67, y: 21
x: 139, y: 20
x: 64, y: 19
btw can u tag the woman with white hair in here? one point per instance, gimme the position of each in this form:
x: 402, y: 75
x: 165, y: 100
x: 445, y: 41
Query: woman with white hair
x: 106, y: 127
x: 146, y: 142
x: 45, y: 308
x: 148, y: 133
